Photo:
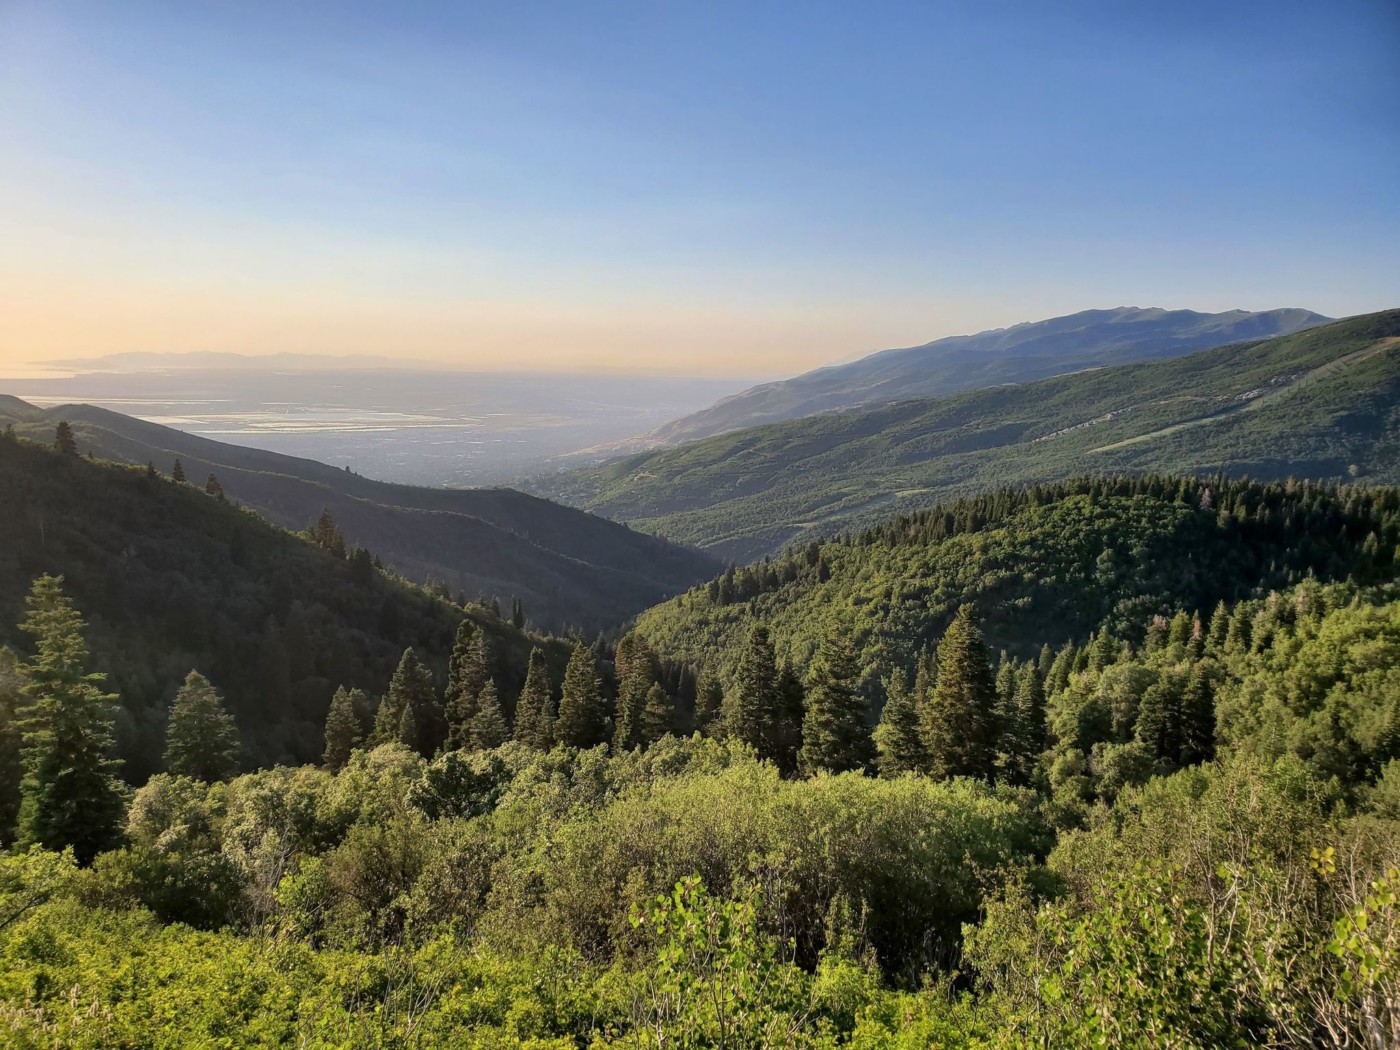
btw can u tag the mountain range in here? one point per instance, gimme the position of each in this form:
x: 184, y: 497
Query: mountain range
x: 567, y: 567
x: 1322, y: 403
x: 1023, y: 352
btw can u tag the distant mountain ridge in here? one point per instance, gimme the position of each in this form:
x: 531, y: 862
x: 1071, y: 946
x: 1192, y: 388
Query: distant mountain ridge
x: 567, y: 567
x: 1323, y: 403
x: 1023, y: 352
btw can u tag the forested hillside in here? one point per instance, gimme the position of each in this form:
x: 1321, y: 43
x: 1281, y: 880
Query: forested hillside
x: 171, y: 578
x: 1323, y: 403
x: 1179, y: 828
x: 1049, y: 563
x: 1023, y: 352
x: 567, y: 568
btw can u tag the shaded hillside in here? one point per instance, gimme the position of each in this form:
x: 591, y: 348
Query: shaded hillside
x: 1049, y: 563
x: 171, y: 579
x: 567, y: 567
x: 1024, y: 352
x: 1324, y: 403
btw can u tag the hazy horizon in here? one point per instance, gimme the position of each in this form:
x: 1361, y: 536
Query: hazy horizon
x: 690, y: 189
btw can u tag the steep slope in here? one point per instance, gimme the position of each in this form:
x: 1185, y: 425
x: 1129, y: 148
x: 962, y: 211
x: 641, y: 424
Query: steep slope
x: 1323, y: 403
x: 1042, y: 564
x: 1024, y: 352
x: 171, y: 579
x: 566, y: 566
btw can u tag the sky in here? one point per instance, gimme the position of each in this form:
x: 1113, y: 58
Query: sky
x: 696, y: 188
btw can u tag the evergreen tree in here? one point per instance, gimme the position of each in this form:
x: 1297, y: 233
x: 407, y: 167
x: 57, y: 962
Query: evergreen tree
x: 213, y: 488
x: 177, y: 473
x: 1103, y: 650
x: 517, y: 614
x: 488, y: 728
x: 534, y: 712
x: 1160, y: 725
x: 899, y: 745
x: 785, y: 725
x: 201, y: 740
x: 467, y: 675
x: 835, y: 736
x: 636, y: 674
x: 10, y: 764
x: 344, y: 732
x: 581, y: 720
x: 709, y: 703
x: 1219, y: 627
x: 64, y: 440
x: 754, y: 695
x: 1028, y: 741
x: 959, y: 720
x: 69, y: 794
x: 410, y: 709
x: 1198, y: 716
x: 151, y: 469
x: 658, y: 715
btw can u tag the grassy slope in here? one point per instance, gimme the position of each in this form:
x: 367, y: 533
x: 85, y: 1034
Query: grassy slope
x: 171, y: 579
x: 566, y: 566
x: 749, y: 493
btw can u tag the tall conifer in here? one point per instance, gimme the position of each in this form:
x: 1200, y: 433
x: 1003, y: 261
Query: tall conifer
x: 582, y: 721
x: 835, y: 735
x: 900, y: 747
x: 69, y: 794
x: 201, y: 740
x: 750, y: 703
x: 959, y: 723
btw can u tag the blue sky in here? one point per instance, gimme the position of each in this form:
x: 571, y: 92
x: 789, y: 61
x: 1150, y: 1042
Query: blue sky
x: 739, y: 188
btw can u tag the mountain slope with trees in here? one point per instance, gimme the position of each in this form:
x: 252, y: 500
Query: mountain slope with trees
x: 171, y: 578
x: 566, y: 567
x: 1045, y: 564
x: 1323, y: 403
x: 1023, y: 352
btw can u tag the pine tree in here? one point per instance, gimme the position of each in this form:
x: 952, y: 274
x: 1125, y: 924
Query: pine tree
x: 467, y: 675
x: 835, y: 736
x: 1160, y: 725
x: 213, y: 488
x: 201, y: 740
x: 658, y: 715
x: 1027, y: 742
x: 488, y: 728
x: 409, y: 712
x: 69, y: 795
x: 64, y: 440
x: 344, y: 732
x: 177, y: 473
x: 959, y: 723
x: 151, y: 469
x: 534, y: 711
x: 636, y: 674
x: 709, y: 703
x: 1198, y: 717
x: 785, y: 724
x: 517, y: 614
x: 581, y: 720
x: 11, y: 699
x: 1103, y: 650
x: 754, y: 695
x: 899, y: 745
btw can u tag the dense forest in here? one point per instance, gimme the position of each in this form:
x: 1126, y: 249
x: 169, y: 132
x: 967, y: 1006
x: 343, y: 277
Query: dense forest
x: 1319, y: 403
x: 1108, y: 762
